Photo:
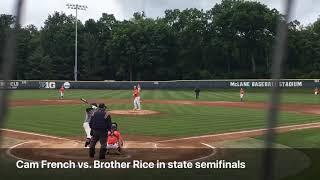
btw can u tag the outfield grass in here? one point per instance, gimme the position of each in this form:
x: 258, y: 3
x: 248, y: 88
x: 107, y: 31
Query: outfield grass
x: 301, y: 96
x: 175, y: 120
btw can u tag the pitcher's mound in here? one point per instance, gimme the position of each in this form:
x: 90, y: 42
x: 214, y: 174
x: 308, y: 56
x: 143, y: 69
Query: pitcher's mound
x: 135, y: 113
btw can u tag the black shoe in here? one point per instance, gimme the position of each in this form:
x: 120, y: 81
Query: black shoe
x: 87, y: 142
x: 102, y: 154
x: 91, y: 152
x: 102, y: 157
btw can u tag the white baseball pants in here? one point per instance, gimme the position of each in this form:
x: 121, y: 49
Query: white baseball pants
x: 136, y: 103
x: 87, y: 129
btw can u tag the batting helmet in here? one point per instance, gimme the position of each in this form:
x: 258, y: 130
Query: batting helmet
x: 94, y: 105
x: 102, y: 106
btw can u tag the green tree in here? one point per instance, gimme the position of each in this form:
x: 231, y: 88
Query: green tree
x: 234, y: 39
x: 96, y: 37
x: 6, y: 23
x: 57, y: 42
x: 246, y: 28
x: 27, y: 43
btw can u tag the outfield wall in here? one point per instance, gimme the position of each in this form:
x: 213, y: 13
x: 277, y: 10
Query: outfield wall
x: 181, y: 84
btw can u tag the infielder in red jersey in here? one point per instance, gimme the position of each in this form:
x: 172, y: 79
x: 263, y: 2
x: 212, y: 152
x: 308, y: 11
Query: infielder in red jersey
x: 115, y: 141
x: 61, y: 90
x: 241, y: 94
x: 136, y: 98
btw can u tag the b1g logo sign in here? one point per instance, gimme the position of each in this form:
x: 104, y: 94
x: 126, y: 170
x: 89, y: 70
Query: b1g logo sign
x: 47, y: 85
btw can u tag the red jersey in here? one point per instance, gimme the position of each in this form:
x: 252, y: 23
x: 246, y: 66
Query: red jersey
x: 113, y: 137
x: 62, y: 89
x: 136, y: 93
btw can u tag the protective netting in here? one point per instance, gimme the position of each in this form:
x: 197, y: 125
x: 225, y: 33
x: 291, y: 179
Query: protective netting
x: 280, y: 46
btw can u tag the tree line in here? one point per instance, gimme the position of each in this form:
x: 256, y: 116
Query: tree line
x: 234, y: 39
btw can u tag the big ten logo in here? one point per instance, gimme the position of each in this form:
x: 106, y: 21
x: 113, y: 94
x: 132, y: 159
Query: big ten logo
x: 317, y: 81
x: 47, y: 85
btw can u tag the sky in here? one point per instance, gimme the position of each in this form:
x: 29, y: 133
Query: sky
x: 306, y: 11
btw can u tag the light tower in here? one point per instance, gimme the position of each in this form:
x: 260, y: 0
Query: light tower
x: 76, y: 7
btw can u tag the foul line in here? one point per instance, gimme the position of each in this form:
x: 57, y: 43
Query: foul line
x: 247, y: 131
x: 36, y: 134
x: 317, y: 124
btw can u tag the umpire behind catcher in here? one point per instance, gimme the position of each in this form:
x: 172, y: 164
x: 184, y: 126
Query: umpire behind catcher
x: 100, y: 124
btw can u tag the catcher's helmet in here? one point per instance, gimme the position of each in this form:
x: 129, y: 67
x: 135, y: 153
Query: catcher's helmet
x: 114, y: 126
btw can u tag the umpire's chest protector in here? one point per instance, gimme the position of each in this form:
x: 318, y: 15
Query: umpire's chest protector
x: 99, y: 121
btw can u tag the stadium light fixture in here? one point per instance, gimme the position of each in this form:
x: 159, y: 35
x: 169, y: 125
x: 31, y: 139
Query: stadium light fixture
x: 82, y: 8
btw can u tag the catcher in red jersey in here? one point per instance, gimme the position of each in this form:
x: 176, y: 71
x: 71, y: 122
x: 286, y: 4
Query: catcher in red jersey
x: 115, y: 141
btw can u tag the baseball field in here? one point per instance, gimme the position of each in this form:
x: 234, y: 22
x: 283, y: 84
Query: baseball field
x: 217, y: 121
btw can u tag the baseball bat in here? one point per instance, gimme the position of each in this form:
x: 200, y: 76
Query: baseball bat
x: 85, y: 101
